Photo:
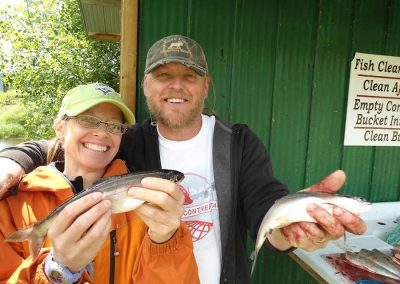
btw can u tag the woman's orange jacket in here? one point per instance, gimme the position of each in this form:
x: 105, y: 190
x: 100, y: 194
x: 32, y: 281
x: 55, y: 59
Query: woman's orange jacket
x: 137, y: 260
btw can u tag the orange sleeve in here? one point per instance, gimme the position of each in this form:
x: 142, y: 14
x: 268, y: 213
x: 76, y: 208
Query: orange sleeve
x: 12, y: 253
x: 170, y: 262
x: 9, y: 259
x: 29, y: 272
x: 15, y: 265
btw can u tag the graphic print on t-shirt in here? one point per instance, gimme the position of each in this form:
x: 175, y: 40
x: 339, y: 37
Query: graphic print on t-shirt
x: 200, y: 205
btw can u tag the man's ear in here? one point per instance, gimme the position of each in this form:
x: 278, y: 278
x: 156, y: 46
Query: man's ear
x: 145, y: 84
x: 206, y: 85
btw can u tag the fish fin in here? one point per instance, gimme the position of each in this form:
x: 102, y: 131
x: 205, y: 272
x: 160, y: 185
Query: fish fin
x: 35, y: 243
x: 280, y: 222
x: 123, y: 203
x: 252, y: 255
x: 20, y: 235
x: 328, y: 206
x: 254, y: 258
x: 35, y: 246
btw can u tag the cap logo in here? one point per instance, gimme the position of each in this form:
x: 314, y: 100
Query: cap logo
x: 176, y: 45
x: 105, y: 89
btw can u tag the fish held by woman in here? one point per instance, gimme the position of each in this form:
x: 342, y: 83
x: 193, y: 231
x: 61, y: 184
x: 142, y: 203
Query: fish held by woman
x: 113, y: 188
x: 292, y: 208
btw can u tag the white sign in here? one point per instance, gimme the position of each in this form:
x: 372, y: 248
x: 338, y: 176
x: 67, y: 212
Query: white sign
x: 373, y: 106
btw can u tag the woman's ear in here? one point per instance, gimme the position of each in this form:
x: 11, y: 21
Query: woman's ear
x: 59, y: 128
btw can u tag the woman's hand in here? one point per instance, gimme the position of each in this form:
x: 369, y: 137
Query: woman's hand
x: 79, y: 231
x: 163, y: 209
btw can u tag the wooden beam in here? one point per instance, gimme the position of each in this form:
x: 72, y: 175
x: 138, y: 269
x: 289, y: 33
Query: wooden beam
x: 129, y: 23
x: 104, y: 36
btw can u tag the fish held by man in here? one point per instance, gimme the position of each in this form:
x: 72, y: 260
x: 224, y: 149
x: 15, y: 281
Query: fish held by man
x: 292, y: 208
x: 113, y: 188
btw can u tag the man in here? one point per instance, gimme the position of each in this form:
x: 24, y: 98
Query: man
x: 229, y: 184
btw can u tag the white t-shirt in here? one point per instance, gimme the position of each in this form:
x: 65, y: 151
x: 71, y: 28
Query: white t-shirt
x: 194, y: 158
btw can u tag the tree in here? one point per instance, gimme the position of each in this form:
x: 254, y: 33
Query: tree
x: 51, y: 54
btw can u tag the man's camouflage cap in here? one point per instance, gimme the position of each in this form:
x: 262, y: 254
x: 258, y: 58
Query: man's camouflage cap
x: 179, y: 49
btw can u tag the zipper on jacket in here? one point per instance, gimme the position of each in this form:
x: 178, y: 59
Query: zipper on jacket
x: 113, y: 253
x: 226, y: 276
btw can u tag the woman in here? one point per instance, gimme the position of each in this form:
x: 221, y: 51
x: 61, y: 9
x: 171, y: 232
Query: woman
x: 83, y: 243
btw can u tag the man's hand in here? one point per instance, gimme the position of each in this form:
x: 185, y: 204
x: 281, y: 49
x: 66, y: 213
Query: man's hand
x: 10, y: 174
x: 312, y: 236
x: 79, y: 231
x: 163, y: 209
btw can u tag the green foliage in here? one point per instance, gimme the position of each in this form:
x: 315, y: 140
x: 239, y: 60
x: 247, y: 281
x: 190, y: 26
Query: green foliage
x: 12, y: 122
x: 18, y: 119
x: 7, y: 98
x: 50, y: 55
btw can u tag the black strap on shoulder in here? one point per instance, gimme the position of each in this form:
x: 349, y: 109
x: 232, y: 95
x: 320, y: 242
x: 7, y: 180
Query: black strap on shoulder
x: 77, y: 184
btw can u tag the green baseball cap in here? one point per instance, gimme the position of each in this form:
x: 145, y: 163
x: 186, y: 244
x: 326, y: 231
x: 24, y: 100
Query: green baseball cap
x: 83, y: 97
x: 179, y: 49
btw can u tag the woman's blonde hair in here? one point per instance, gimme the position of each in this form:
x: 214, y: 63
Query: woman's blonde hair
x: 55, y: 151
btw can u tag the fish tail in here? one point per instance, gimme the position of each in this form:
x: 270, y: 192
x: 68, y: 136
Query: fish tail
x: 35, y: 242
x: 254, y: 258
x: 20, y: 235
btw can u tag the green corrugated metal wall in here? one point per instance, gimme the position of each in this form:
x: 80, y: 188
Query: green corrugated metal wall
x: 282, y: 67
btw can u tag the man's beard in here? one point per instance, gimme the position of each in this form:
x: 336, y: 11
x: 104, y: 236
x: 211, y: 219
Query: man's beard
x: 178, y: 119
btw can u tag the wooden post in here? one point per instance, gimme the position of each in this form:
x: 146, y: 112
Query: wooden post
x: 129, y: 25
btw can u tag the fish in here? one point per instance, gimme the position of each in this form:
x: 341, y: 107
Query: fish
x: 396, y: 253
x: 292, y: 208
x: 373, y: 261
x: 114, y: 188
x: 396, y: 250
x: 381, y: 259
x: 387, y: 261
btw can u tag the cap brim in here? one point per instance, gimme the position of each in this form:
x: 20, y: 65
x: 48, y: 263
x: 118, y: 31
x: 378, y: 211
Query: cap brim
x: 198, y: 69
x: 128, y: 115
